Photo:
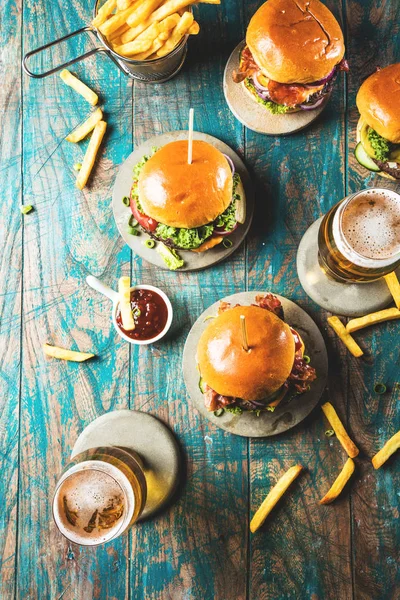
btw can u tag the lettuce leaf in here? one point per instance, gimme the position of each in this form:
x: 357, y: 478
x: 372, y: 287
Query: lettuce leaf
x: 273, y: 107
x: 187, y: 239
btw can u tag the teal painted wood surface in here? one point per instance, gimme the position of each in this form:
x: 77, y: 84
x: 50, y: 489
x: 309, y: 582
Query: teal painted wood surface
x: 200, y: 548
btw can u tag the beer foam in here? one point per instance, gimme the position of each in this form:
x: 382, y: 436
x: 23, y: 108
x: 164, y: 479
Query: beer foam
x: 366, y: 228
x: 78, y: 497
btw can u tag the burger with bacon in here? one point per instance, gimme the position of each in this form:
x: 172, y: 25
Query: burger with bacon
x: 187, y: 206
x: 294, y: 50
x: 257, y: 379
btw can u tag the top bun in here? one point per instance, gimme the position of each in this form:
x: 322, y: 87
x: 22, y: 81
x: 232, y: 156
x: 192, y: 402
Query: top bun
x: 181, y: 195
x: 295, y: 41
x: 378, y: 102
x: 231, y: 371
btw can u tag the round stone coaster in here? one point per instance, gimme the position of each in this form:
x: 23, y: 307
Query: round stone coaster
x: 289, y: 412
x: 255, y: 116
x: 193, y: 260
x: 147, y: 436
x: 347, y: 299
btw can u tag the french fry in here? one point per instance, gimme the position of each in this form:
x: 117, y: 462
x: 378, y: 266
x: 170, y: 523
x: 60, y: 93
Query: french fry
x: 83, y: 130
x: 208, y: 1
x: 168, y: 8
x: 63, y: 354
x: 158, y: 42
x: 345, y: 336
x: 142, y: 12
x: 123, y: 4
x: 194, y: 28
x: 90, y: 156
x: 104, y: 12
x: 133, y: 32
x: 142, y: 43
x: 386, y: 451
x: 178, y: 32
x: 118, y: 32
x: 124, y: 289
x: 339, y: 429
x: 339, y: 482
x: 80, y: 87
x: 394, y: 287
x: 117, y: 20
x: 378, y: 317
x: 273, y: 496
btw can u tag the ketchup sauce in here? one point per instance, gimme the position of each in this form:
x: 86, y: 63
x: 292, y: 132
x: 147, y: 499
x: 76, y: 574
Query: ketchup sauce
x: 150, y: 314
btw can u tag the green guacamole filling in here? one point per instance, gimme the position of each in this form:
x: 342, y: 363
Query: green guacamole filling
x: 382, y: 147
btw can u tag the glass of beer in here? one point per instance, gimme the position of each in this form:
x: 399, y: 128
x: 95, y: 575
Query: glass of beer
x: 99, y: 496
x: 359, y: 238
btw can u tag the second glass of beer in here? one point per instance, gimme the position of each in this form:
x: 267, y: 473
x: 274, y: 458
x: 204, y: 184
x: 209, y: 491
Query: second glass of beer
x: 359, y: 238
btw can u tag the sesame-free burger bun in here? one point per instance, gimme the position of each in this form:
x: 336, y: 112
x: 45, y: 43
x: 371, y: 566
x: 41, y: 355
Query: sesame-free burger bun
x: 181, y: 195
x: 295, y: 41
x: 378, y: 101
x: 231, y: 371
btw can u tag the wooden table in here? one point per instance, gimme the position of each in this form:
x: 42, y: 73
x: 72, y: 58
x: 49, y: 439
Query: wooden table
x: 200, y: 548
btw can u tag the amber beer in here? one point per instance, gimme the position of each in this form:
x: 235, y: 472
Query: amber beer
x: 359, y: 238
x: 100, y: 494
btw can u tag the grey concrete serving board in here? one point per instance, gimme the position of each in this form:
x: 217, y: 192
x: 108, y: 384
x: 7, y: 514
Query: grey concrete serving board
x: 193, y: 260
x: 254, y: 115
x: 288, y: 413
x: 347, y: 299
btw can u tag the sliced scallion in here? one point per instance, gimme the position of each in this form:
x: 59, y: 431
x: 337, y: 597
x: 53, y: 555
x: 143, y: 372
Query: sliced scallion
x: 219, y: 412
x: 380, y: 388
x: 125, y: 200
x: 306, y: 359
x: 149, y: 243
x: 132, y: 230
x: 227, y: 243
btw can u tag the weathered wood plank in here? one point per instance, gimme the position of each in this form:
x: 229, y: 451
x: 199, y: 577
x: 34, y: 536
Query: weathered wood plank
x: 70, y: 234
x: 374, y: 40
x: 199, y: 546
x: 10, y: 296
x: 303, y: 551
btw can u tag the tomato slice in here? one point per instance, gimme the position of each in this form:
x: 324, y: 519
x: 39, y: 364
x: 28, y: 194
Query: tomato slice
x: 143, y: 220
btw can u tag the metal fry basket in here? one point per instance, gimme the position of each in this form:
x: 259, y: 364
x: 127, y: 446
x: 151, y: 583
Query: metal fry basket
x: 155, y: 70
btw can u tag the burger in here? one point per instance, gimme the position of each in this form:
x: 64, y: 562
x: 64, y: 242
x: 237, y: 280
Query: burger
x: 294, y: 50
x: 378, y: 130
x: 274, y: 366
x: 187, y: 206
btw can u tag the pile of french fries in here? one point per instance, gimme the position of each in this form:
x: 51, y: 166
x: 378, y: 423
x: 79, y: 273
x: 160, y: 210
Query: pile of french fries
x: 389, y: 314
x: 284, y: 482
x: 146, y: 29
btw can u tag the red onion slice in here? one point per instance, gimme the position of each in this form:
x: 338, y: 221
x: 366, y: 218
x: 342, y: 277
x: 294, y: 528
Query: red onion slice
x: 321, y: 81
x: 312, y: 106
x: 230, y: 161
x: 257, y: 84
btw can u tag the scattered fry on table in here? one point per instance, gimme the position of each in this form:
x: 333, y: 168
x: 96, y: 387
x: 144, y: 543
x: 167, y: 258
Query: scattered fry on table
x: 273, y: 496
x: 339, y: 429
x: 394, y: 287
x: 339, y: 483
x: 345, y: 336
x: 83, y: 130
x: 104, y: 12
x: 389, y: 314
x: 124, y: 289
x: 90, y: 155
x: 64, y: 354
x: 386, y: 451
x: 80, y: 87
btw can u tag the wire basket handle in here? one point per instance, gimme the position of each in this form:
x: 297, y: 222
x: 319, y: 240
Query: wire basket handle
x: 54, y: 43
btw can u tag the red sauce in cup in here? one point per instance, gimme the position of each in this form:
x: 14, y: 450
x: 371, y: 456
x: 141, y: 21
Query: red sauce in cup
x: 150, y: 314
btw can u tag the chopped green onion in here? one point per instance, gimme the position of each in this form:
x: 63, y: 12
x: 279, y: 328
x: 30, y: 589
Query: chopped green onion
x: 308, y: 388
x: 133, y: 222
x: 306, y: 359
x: 125, y: 200
x: 227, y: 243
x: 149, y: 243
x: 380, y: 388
x: 77, y: 166
x: 26, y: 208
x: 202, y: 385
x: 219, y: 412
x: 136, y: 313
x: 132, y: 230
x: 329, y: 432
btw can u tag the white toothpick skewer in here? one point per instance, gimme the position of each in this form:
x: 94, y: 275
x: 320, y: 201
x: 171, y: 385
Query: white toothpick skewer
x: 190, y: 141
x: 244, y: 333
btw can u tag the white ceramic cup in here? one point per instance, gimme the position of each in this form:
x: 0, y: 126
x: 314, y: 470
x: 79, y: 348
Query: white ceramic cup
x: 97, y: 285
